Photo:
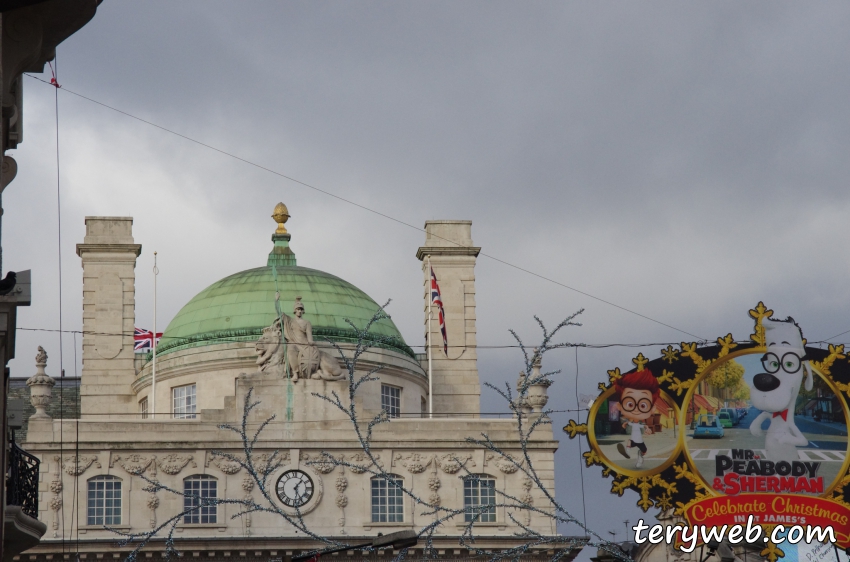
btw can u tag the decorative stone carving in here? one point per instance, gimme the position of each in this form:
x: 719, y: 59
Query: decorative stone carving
x: 434, y: 483
x: 537, y: 396
x: 76, y: 465
x: 450, y: 463
x: 522, y: 400
x: 152, y: 503
x: 173, y: 463
x: 305, y: 359
x: 506, y: 463
x: 325, y: 465
x: 10, y: 170
x: 527, y: 499
x: 41, y: 387
x: 360, y: 462
x: 262, y: 460
x: 224, y: 464
x: 341, y: 499
x: 134, y: 463
x: 248, y: 484
x: 56, y: 501
x: 414, y: 462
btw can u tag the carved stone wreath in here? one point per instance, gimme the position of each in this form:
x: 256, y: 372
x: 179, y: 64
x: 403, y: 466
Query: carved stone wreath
x: 173, y: 463
x: 450, y: 463
x: 76, y: 465
x: 414, y: 462
x: 134, y: 463
x: 360, y: 462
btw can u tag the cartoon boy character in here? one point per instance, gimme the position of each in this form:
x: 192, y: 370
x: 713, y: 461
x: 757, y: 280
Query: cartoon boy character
x: 636, y: 393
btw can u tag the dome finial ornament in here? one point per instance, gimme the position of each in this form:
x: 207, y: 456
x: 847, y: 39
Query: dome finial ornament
x: 280, y: 215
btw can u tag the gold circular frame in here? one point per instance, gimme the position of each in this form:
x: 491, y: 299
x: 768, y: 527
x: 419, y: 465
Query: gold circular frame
x: 591, y: 437
x: 753, y: 351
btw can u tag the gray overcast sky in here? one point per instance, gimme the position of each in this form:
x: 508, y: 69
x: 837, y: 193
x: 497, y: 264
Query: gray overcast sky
x: 682, y: 159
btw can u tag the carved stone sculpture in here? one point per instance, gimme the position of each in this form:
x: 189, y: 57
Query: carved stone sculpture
x: 537, y: 396
x: 302, y: 354
x: 41, y: 387
x: 522, y: 400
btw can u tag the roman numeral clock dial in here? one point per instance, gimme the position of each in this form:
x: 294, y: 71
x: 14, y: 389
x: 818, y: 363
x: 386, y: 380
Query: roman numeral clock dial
x: 294, y: 488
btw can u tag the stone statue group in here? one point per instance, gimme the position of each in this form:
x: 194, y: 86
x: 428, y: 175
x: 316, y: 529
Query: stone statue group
x: 302, y: 354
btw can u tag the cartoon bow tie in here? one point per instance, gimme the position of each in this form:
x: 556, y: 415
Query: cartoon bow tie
x: 783, y: 413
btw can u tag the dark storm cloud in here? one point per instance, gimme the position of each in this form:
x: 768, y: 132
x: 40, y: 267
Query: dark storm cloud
x: 684, y: 160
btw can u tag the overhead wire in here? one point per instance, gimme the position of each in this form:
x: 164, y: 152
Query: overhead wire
x: 55, y: 83
x: 368, y: 209
x: 226, y: 339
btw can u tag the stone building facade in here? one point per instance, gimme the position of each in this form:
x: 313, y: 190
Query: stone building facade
x: 136, y: 425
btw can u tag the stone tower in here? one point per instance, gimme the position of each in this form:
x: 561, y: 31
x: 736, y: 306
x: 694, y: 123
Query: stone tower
x: 109, y: 255
x: 449, y: 250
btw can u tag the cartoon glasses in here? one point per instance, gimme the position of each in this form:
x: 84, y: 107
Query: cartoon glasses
x: 790, y: 363
x: 643, y: 405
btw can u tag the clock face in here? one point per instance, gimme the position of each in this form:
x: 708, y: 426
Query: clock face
x: 294, y: 488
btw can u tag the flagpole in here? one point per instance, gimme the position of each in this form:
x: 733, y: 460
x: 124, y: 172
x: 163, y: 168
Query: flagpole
x: 153, y: 369
x: 430, y: 370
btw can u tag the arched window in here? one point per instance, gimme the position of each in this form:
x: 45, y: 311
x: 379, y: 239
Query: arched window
x: 103, y: 505
x: 387, y: 499
x: 479, y: 498
x: 195, y: 490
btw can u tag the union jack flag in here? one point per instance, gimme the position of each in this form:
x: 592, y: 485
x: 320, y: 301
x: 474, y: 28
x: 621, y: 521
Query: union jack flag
x: 437, y: 301
x: 144, y: 340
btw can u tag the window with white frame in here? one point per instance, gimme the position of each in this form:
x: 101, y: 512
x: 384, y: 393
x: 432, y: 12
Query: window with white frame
x: 143, y: 408
x: 103, y: 505
x: 195, y: 490
x: 391, y: 400
x: 387, y: 499
x: 184, y: 401
x: 479, y: 498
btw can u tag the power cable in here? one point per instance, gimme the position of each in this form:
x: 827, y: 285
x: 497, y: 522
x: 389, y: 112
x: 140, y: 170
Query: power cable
x: 368, y: 209
x: 55, y: 84
x: 833, y: 337
x: 225, y: 339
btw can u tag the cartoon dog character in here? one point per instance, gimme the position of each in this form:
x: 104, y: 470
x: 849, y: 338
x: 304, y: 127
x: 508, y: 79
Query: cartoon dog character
x: 775, y: 390
x: 636, y: 393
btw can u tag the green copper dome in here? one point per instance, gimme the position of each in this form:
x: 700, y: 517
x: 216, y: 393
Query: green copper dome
x: 238, y: 307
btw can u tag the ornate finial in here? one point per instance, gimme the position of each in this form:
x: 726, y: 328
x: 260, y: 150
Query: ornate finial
x: 41, y: 357
x: 41, y: 386
x: 280, y: 215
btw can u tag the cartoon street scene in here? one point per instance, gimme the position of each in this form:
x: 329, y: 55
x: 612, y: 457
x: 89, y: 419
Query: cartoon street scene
x: 636, y: 427
x: 767, y: 407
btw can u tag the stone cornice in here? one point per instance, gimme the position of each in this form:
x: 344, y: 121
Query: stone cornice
x: 109, y: 249
x: 447, y: 251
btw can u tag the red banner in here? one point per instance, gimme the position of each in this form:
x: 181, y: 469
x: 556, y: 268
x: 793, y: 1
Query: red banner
x: 773, y: 509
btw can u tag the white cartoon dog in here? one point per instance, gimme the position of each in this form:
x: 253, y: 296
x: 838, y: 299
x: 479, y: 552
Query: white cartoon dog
x: 775, y: 390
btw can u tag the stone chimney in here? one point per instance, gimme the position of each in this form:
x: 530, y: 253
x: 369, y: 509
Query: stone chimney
x: 449, y: 251
x: 109, y: 255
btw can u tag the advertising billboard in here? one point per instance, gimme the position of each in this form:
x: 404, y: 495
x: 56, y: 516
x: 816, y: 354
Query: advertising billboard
x: 718, y: 433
